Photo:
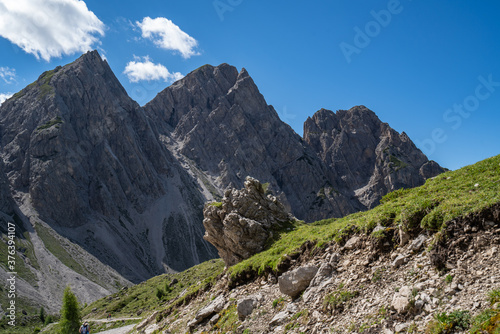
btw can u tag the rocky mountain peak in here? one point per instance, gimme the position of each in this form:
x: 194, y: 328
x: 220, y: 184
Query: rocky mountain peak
x: 197, y: 92
x: 243, y: 74
x: 231, y: 132
x: 224, y: 75
x: 367, y: 155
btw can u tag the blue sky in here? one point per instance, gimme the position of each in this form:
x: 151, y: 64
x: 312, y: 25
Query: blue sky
x: 428, y: 68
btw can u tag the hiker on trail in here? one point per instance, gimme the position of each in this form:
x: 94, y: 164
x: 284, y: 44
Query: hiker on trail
x: 85, y: 329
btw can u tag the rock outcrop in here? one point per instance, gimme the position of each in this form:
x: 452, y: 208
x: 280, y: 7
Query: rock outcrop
x: 245, y: 220
x: 5, y: 200
x: 214, y: 307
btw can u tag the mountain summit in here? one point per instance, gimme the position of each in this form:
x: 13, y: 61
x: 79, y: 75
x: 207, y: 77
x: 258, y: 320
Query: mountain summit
x: 123, y: 186
x: 368, y: 157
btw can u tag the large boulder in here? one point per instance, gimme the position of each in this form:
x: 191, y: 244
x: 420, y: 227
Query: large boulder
x: 292, y: 283
x: 240, y: 226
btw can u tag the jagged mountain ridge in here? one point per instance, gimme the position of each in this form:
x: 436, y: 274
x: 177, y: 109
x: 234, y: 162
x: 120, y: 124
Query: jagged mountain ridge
x: 368, y: 156
x: 226, y: 129
x: 223, y: 126
x: 128, y: 183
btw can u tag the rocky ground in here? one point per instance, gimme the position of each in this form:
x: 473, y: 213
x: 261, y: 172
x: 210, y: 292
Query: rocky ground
x: 397, y: 283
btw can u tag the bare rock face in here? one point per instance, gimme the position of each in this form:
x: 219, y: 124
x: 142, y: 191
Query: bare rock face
x: 224, y: 128
x: 240, y: 226
x: 368, y: 157
x: 5, y: 201
x: 93, y: 167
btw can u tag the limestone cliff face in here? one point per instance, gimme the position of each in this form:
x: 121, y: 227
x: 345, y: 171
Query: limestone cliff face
x: 224, y: 127
x: 367, y: 156
x: 94, y: 169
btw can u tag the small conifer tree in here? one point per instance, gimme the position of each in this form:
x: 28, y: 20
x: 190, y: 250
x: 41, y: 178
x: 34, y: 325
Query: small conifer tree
x: 70, y: 313
x: 42, y: 315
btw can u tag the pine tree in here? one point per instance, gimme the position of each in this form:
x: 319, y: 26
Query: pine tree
x: 42, y: 315
x: 70, y: 313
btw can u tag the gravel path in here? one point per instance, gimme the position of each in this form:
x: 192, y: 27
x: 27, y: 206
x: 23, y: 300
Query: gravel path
x: 121, y: 330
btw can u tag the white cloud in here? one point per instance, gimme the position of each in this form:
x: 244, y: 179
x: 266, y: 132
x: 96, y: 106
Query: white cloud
x: 49, y: 28
x: 8, y: 74
x: 4, y: 96
x: 146, y: 70
x: 165, y: 34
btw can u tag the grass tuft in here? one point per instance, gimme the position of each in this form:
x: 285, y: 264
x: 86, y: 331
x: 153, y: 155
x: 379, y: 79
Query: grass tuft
x: 51, y: 123
x: 448, y: 323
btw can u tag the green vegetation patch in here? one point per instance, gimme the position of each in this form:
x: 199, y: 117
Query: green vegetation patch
x: 143, y: 297
x: 54, y: 246
x: 24, y: 253
x: 43, y: 83
x: 228, y: 322
x: 279, y: 303
x: 494, y: 296
x: 44, y: 80
x: 488, y: 321
x: 339, y: 299
x: 55, y: 121
x: 97, y: 327
x: 447, y: 323
x: 24, y: 325
x: 396, y: 162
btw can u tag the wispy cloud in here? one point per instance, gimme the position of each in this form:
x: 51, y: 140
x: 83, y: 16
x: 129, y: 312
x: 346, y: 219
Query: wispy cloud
x: 49, y: 28
x: 165, y: 34
x: 138, y: 70
x: 8, y: 74
x: 4, y: 96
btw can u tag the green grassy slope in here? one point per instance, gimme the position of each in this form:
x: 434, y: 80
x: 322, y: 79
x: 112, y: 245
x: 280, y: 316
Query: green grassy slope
x: 144, y: 297
x: 447, y: 196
